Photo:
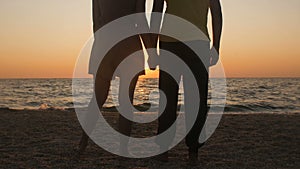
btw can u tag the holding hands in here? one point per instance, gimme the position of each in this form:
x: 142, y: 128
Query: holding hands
x: 150, y: 41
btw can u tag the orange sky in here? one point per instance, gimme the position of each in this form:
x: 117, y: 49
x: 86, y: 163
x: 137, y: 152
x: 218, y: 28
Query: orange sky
x: 43, y: 38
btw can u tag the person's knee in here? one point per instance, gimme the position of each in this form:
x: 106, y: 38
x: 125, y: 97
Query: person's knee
x: 101, y: 90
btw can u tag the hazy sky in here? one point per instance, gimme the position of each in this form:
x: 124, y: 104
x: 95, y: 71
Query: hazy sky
x: 42, y: 38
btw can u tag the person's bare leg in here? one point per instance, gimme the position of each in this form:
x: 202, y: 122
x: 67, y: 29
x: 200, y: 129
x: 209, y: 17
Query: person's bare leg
x: 124, y: 123
x: 101, y: 93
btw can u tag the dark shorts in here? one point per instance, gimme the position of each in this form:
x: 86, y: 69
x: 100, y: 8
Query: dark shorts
x: 115, y: 56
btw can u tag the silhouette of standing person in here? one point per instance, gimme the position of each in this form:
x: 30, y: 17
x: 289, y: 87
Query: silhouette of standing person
x: 196, y: 12
x: 105, y: 11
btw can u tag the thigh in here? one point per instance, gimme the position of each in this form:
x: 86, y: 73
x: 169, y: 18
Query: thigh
x: 113, y: 58
x: 169, y: 83
x: 169, y: 86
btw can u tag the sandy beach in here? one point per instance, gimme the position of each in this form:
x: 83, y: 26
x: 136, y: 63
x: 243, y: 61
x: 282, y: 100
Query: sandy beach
x: 49, y: 138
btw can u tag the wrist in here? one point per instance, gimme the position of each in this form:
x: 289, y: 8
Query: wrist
x: 216, y: 47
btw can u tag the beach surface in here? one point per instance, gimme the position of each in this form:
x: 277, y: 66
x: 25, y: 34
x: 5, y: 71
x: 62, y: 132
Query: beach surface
x: 49, y: 139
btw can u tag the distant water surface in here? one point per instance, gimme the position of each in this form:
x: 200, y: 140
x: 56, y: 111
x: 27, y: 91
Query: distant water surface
x: 280, y: 95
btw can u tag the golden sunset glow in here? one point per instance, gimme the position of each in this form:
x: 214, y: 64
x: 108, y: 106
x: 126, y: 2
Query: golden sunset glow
x: 41, y: 39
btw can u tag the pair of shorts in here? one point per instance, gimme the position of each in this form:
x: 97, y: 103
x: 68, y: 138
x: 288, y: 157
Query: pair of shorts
x: 110, y: 66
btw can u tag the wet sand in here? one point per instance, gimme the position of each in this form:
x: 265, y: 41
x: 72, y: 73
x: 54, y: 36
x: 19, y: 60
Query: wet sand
x: 49, y: 139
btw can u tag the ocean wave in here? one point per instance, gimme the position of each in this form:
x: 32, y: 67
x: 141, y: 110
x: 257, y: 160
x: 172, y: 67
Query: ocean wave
x: 243, y: 95
x: 148, y: 107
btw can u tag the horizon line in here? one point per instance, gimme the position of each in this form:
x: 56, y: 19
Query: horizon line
x: 250, y: 77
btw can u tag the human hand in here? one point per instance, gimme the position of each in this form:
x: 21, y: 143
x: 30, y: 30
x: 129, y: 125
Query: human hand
x: 153, y: 58
x: 150, y: 41
x: 214, y: 56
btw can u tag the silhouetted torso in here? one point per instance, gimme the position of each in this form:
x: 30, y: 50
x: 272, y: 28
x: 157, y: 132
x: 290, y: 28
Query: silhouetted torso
x: 105, y: 11
x: 194, y: 11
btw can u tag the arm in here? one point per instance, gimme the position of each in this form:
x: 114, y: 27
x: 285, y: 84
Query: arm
x: 156, y: 18
x: 141, y: 8
x: 158, y: 6
x: 142, y: 22
x: 217, y: 22
x: 96, y: 15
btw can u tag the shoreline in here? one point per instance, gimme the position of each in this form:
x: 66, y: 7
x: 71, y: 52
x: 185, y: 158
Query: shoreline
x: 143, y: 108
